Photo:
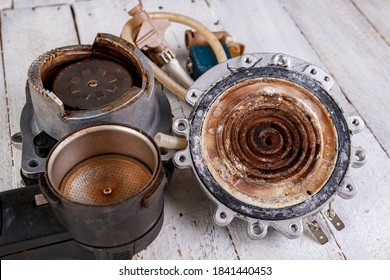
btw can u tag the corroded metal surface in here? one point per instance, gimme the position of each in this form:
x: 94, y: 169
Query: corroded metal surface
x: 92, y: 83
x: 269, y: 142
x: 105, y: 179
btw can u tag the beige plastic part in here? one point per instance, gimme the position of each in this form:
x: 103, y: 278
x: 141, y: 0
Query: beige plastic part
x: 159, y: 74
x: 148, y: 34
x: 170, y: 142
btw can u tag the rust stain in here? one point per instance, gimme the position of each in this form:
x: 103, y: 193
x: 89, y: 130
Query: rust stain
x: 105, y: 179
x: 104, y: 76
x: 269, y: 142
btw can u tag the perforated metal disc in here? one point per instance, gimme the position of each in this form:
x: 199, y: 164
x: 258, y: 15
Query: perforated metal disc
x: 105, y: 179
x: 92, y: 83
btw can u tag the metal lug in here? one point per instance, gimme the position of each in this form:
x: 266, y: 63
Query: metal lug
x: 334, y: 218
x: 317, y: 232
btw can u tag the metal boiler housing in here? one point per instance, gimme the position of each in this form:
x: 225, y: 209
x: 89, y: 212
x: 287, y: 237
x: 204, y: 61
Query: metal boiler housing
x: 87, y: 140
x: 269, y: 145
x: 75, y: 87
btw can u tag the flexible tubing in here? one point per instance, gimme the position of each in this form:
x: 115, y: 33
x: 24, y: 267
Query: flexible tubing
x: 210, y: 37
x: 159, y: 74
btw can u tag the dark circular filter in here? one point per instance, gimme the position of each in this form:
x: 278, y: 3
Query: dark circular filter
x: 92, y: 83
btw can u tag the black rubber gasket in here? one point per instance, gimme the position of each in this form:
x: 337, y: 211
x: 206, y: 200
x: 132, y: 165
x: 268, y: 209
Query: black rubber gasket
x: 321, y: 197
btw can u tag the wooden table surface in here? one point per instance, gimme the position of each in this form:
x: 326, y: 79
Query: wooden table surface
x: 351, y: 39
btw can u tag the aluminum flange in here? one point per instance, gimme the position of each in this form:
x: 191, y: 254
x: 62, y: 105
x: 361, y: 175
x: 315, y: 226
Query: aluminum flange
x: 268, y: 143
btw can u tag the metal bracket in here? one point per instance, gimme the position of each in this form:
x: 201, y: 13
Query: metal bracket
x: 280, y: 60
x: 359, y: 157
x: 355, y: 124
x: 192, y: 96
x: 334, y: 218
x: 320, y: 75
x: 317, y: 231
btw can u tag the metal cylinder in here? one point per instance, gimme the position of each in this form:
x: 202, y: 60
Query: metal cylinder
x: 105, y: 183
x: 74, y: 87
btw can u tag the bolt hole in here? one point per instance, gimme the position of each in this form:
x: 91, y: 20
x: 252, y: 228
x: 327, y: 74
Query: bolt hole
x: 257, y: 229
x: 40, y: 140
x: 194, y: 95
x: 33, y: 163
x: 349, y: 187
x: 355, y: 122
x: 326, y: 79
x: 281, y: 60
x: 223, y: 215
x: 181, y: 126
x: 360, y: 156
x: 294, y: 228
x: 313, y: 71
x: 248, y: 60
x: 93, y: 83
x: 182, y: 158
x: 17, y: 138
x: 163, y: 151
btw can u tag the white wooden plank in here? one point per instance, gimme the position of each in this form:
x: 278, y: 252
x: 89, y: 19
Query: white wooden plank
x: 378, y: 13
x: 354, y: 53
x: 366, y: 235
x: 37, y: 3
x: 101, y: 16
x: 27, y: 33
x: 188, y: 231
x: 4, y: 4
x: 5, y: 143
x: 263, y: 26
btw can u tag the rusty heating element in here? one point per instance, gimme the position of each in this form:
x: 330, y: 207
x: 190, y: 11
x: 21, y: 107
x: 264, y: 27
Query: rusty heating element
x: 269, y: 142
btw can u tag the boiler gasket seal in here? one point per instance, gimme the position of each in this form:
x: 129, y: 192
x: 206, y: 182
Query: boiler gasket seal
x: 284, y: 213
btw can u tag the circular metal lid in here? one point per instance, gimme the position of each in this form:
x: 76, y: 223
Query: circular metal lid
x: 92, y: 83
